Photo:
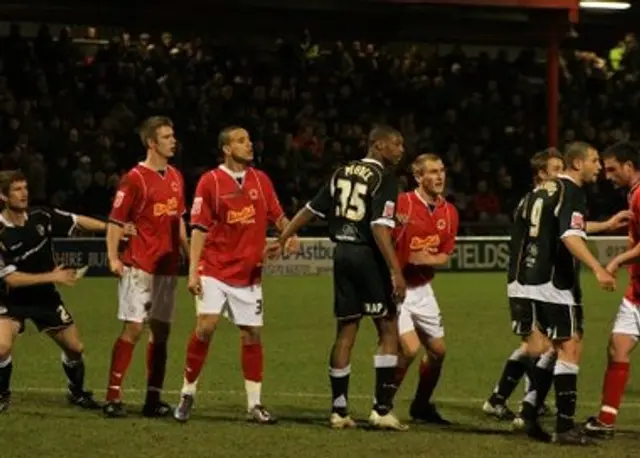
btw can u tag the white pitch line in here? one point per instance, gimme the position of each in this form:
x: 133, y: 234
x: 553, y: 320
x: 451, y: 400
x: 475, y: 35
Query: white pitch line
x: 298, y: 395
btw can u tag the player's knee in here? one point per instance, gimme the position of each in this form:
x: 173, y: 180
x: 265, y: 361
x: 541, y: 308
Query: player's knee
x: 206, y: 325
x: 249, y: 335
x: 619, y: 348
x: 132, y: 332
x: 5, y: 351
x: 437, y: 350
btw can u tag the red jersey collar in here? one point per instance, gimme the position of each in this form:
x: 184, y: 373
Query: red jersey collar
x: 438, y: 203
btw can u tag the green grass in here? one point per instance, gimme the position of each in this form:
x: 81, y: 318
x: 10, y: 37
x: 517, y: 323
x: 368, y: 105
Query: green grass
x: 299, y: 329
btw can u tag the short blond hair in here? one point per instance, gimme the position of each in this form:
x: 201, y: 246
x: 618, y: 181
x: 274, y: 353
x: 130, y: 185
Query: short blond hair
x: 224, y: 137
x: 418, y: 163
x: 149, y: 128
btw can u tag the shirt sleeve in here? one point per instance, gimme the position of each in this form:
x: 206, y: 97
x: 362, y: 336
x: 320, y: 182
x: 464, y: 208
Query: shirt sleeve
x: 274, y: 209
x: 127, y: 196
x: 182, y: 205
x: 62, y: 223
x: 6, y: 262
x: 203, y: 209
x: 322, y: 203
x: 449, y: 243
x: 383, y: 202
x: 571, y: 211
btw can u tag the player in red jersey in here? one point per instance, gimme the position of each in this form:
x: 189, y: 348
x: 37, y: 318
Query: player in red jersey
x: 622, y: 167
x: 233, y: 206
x: 425, y: 239
x: 151, y: 196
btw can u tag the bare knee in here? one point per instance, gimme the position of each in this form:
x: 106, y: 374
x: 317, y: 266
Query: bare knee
x: 205, y: 326
x: 569, y: 350
x: 5, y: 350
x: 620, y: 347
x: 249, y: 335
x: 388, y: 334
x: 437, y: 350
x: 131, y: 332
x: 409, y: 346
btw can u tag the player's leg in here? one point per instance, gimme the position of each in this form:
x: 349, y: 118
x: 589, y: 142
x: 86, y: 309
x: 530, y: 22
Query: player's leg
x: 340, y: 370
x: 160, y: 317
x: 386, y: 362
x: 523, y: 325
x: 623, y: 340
x: 208, y: 309
x: 541, y: 376
x: 68, y: 339
x: 246, y: 310
x: 566, y: 333
x: 430, y: 331
x: 134, y: 298
x: 9, y: 329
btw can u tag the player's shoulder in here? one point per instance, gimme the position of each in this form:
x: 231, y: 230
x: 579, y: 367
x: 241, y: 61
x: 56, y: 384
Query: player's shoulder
x: 175, y: 171
x: 39, y: 212
x: 260, y: 175
x: 449, y: 206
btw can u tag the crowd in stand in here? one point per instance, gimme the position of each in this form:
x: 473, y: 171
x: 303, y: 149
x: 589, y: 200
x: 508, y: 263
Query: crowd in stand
x: 69, y: 110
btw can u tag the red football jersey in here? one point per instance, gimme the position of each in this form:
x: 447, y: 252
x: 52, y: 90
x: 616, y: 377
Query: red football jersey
x: 420, y: 228
x: 235, y: 210
x: 154, y: 203
x: 633, y: 289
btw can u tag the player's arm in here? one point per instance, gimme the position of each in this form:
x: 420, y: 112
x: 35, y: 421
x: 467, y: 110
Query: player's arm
x: 121, y: 211
x: 617, y: 221
x: 318, y: 207
x: 628, y: 257
x: 203, y: 211
x: 383, y: 208
x: 570, y: 212
x: 13, y: 278
x: 90, y: 224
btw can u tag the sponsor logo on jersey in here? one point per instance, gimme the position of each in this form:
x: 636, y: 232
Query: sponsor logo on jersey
x: 168, y: 208
x: 244, y: 216
x: 577, y: 221
x: 421, y: 243
x: 441, y: 224
x: 253, y: 193
x: 40, y: 229
x: 196, y: 208
x: 174, y: 186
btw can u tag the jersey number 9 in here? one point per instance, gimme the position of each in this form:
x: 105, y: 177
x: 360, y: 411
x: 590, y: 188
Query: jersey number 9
x: 534, y: 217
x: 351, y: 205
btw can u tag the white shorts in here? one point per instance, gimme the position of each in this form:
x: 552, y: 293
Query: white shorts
x: 143, y: 296
x: 627, y: 320
x: 242, y: 305
x: 420, y: 311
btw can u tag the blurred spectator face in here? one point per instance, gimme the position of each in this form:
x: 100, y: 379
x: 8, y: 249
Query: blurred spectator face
x: 259, y: 93
x: 227, y: 92
x: 483, y: 187
x: 85, y: 164
x: 506, y: 182
x: 100, y: 179
x: 569, y: 135
x: 336, y: 147
x: 74, y: 136
x: 14, y: 124
x: 430, y: 174
x: 238, y: 146
x: 167, y: 39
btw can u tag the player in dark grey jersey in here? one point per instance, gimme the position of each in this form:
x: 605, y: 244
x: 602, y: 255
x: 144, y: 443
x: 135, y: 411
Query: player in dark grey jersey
x: 359, y: 203
x: 535, y: 349
x: 28, y: 275
x: 548, y: 270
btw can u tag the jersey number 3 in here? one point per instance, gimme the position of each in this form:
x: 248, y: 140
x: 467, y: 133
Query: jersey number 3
x: 534, y: 217
x: 351, y: 205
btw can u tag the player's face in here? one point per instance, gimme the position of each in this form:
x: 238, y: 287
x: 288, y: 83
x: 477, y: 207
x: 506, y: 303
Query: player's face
x: 165, y: 142
x: 18, y: 198
x: 555, y: 166
x: 393, y: 149
x: 591, y: 166
x: 618, y: 173
x: 239, y: 146
x: 433, y: 177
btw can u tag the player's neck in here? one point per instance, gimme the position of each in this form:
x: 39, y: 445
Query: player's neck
x: 431, y: 199
x: 574, y: 175
x: 13, y: 217
x: 635, y: 180
x: 235, y: 167
x: 155, y: 162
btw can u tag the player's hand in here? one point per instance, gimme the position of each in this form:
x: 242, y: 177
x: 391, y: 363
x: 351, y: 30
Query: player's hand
x: 116, y: 267
x: 130, y: 229
x: 399, y: 287
x: 64, y: 276
x: 606, y: 279
x: 292, y: 245
x: 272, y: 250
x: 612, y: 267
x: 195, y: 285
x: 620, y: 220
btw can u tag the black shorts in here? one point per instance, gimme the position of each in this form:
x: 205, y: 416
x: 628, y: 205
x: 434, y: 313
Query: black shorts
x: 361, y: 283
x: 47, y: 314
x: 523, y: 315
x: 560, y: 321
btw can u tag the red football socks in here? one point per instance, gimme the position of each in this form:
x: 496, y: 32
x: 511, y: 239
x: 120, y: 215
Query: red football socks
x: 615, y: 380
x: 196, y: 355
x: 252, y: 362
x: 120, y: 360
